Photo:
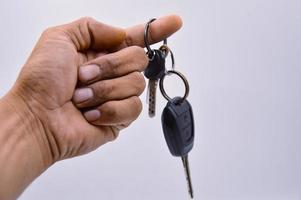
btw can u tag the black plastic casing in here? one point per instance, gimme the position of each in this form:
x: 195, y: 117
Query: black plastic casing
x: 178, y: 126
x: 156, y: 66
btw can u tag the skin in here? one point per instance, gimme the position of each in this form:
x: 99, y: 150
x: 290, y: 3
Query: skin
x: 48, y: 115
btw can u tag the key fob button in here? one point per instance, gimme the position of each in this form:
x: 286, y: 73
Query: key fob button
x: 187, y: 134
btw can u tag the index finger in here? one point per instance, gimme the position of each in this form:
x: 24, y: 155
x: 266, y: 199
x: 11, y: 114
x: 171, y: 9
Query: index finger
x: 160, y: 29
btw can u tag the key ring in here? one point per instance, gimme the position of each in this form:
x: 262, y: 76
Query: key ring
x: 183, y: 79
x: 150, y: 52
x: 165, y: 48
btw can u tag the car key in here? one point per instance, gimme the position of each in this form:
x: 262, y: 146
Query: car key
x: 178, y: 127
x: 154, y: 71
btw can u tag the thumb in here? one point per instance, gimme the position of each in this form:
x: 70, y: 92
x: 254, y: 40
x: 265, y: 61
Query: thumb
x: 87, y: 33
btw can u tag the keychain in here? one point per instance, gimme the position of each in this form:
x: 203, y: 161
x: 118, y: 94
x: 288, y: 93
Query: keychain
x: 155, y: 69
x: 177, y: 117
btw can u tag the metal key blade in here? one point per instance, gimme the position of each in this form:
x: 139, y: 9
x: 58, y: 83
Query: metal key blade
x: 187, y: 173
x: 152, y: 88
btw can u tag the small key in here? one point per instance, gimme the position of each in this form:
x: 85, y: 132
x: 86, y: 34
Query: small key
x: 154, y: 71
x: 151, y: 97
x: 178, y: 127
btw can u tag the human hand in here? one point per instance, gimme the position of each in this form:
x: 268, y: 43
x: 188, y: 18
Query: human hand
x: 107, y: 61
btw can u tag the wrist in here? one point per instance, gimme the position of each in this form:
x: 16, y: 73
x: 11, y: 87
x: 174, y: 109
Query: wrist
x: 24, y: 154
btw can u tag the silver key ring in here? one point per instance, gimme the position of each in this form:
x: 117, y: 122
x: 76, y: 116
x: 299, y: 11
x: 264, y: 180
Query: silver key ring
x: 150, y: 52
x: 184, y: 81
x: 166, y: 49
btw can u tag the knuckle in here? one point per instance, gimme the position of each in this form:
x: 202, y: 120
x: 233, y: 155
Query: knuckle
x: 137, y: 76
x: 144, y: 61
x: 115, y: 133
x: 137, y: 105
x: 111, y: 111
x: 102, y: 89
x: 129, y: 40
x: 139, y: 81
x: 110, y: 63
x: 137, y: 50
x: 48, y: 31
x: 140, y: 56
x: 124, y: 125
x: 86, y: 19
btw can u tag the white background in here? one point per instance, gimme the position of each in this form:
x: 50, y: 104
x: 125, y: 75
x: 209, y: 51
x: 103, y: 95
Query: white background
x: 243, y: 61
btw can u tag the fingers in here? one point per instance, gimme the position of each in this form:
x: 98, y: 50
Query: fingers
x: 116, y: 93
x: 113, y: 65
x: 87, y: 33
x: 160, y: 29
x: 115, y: 112
x: 120, y: 88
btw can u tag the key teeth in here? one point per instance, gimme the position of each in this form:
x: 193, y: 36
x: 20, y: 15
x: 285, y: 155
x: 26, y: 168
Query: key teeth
x: 152, y: 98
x: 152, y: 108
x: 151, y: 112
x: 151, y: 115
x: 188, y: 175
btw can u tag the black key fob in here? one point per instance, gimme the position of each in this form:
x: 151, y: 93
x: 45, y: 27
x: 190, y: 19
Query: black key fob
x: 178, y: 126
x: 156, y: 65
